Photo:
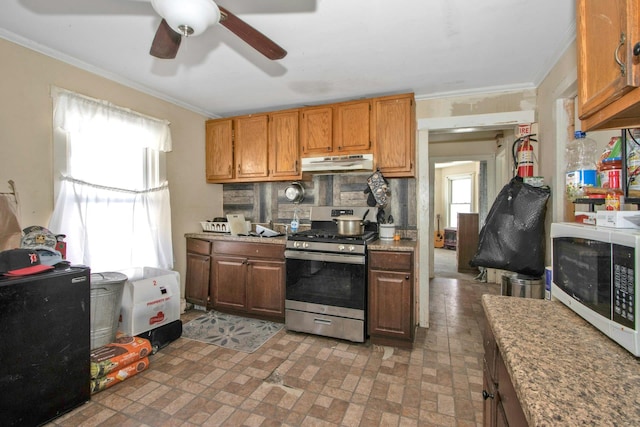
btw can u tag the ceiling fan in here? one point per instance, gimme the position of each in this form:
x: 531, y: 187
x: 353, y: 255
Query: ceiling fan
x: 186, y: 18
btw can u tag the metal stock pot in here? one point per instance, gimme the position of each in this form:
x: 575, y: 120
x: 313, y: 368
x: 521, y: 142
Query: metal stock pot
x: 351, y: 225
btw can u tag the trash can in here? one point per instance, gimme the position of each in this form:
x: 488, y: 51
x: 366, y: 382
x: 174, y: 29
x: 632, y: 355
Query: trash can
x: 520, y: 285
x: 106, y: 298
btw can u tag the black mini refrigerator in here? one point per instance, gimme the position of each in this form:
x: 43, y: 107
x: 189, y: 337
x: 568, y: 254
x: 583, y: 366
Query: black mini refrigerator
x: 44, y: 345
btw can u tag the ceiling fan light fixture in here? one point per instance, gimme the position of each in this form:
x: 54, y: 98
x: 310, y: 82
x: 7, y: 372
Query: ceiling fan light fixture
x: 188, y: 17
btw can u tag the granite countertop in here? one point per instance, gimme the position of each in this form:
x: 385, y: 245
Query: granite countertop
x: 404, y: 245
x: 564, y: 371
x: 279, y: 240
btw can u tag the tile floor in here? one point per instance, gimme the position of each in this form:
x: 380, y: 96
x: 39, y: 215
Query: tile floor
x: 304, y: 380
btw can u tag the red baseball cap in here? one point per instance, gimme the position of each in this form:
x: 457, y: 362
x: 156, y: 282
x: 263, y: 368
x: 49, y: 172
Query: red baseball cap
x: 21, y: 262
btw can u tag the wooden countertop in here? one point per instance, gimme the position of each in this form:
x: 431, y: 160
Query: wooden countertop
x: 565, y: 371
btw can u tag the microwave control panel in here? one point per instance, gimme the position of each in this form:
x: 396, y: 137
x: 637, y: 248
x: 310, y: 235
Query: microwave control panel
x: 623, y: 301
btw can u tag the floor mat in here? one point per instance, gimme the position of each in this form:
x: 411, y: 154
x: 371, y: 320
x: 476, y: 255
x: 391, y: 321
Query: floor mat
x: 229, y: 331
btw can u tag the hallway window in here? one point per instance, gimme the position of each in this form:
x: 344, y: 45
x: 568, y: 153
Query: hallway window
x: 460, y: 196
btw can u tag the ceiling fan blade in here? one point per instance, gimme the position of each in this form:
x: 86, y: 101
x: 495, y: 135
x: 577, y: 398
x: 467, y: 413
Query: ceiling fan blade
x: 166, y: 42
x: 251, y: 36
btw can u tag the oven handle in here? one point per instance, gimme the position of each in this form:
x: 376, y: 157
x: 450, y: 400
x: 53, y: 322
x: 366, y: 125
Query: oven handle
x: 315, y: 256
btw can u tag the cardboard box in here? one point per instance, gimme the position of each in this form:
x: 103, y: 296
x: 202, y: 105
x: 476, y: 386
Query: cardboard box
x: 618, y: 219
x: 588, y: 218
x: 151, y: 298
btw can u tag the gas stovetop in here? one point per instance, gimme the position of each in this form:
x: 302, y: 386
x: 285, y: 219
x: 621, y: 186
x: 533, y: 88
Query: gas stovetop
x: 330, y: 236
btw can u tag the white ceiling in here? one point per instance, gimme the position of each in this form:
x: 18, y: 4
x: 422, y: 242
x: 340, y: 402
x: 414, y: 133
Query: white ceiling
x: 337, y: 49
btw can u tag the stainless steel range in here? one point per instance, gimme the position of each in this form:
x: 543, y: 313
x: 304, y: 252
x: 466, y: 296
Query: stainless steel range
x: 326, y: 285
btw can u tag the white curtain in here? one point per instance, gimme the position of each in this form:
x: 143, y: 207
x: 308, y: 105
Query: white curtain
x: 112, y: 203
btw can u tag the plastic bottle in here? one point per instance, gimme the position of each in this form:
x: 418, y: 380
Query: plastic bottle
x: 295, y: 222
x: 581, y: 165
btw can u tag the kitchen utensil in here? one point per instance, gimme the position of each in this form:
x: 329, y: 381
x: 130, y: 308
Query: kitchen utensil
x: 390, y: 219
x: 349, y: 225
x: 237, y: 224
x: 294, y: 192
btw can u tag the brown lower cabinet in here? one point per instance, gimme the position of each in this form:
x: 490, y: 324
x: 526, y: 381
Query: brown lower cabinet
x: 198, y: 271
x: 248, y: 278
x: 390, y: 312
x: 501, y: 404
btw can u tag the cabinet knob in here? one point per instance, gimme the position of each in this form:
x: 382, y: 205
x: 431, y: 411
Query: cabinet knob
x: 636, y: 49
x: 486, y: 395
x: 406, y: 277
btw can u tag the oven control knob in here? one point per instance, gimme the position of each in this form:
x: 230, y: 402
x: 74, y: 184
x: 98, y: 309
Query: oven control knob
x: 341, y: 248
x: 352, y: 248
x: 305, y: 245
x: 296, y: 244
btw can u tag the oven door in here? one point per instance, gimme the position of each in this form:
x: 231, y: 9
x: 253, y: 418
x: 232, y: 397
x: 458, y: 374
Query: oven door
x: 337, y: 280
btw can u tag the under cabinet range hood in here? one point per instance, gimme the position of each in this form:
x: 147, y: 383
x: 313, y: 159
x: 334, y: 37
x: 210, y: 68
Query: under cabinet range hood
x: 351, y: 162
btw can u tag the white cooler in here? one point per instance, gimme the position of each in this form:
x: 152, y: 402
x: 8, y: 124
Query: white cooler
x: 151, y: 298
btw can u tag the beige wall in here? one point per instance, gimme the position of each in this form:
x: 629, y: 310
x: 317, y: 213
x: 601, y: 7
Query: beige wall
x: 26, y: 140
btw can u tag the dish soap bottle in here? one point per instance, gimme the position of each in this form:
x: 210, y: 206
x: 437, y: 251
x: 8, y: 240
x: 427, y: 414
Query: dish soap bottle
x: 295, y: 222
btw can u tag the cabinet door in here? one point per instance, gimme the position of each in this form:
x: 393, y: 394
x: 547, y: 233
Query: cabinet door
x: 353, y: 127
x: 251, y: 147
x: 219, y: 150
x: 508, y: 400
x: 228, y: 282
x: 394, y: 140
x: 390, y: 303
x: 265, y: 287
x: 284, y: 145
x: 316, y: 131
x: 606, y: 29
x: 489, y: 410
x: 196, y: 289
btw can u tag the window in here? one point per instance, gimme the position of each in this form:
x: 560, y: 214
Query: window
x: 112, y: 199
x: 460, y: 195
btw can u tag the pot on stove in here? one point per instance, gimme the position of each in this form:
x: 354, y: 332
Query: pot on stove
x: 351, y: 225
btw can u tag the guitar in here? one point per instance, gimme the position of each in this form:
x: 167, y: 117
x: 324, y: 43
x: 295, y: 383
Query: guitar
x: 438, y: 238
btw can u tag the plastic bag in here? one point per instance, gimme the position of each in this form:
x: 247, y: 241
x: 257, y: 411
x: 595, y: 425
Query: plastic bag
x: 512, y: 237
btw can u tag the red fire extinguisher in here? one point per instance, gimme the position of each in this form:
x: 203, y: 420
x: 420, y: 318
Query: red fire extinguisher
x: 524, y: 157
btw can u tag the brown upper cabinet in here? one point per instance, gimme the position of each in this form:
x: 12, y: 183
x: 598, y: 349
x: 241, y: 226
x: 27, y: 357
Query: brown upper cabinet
x: 316, y: 131
x: 284, y: 145
x: 395, y: 135
x: 219, y: 150
x: 257, y: 147
x: 269, y: 146
x: 608, y: 40
x: 251, y: 147
x: 353, y: 127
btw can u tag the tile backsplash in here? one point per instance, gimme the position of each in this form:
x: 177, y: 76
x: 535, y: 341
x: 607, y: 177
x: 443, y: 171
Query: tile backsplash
x: 265, y: 202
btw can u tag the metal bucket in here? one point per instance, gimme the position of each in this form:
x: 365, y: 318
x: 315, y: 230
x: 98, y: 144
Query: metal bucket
x: 106, y: 299
x: 519, y: 285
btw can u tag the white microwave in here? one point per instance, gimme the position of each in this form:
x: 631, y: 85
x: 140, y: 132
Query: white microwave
x: 595, y: 273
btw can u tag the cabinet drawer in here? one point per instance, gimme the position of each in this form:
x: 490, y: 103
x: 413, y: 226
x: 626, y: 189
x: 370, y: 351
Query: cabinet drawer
x: 249, y: 250
x: 198, y: 246
x: 397, y: 261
